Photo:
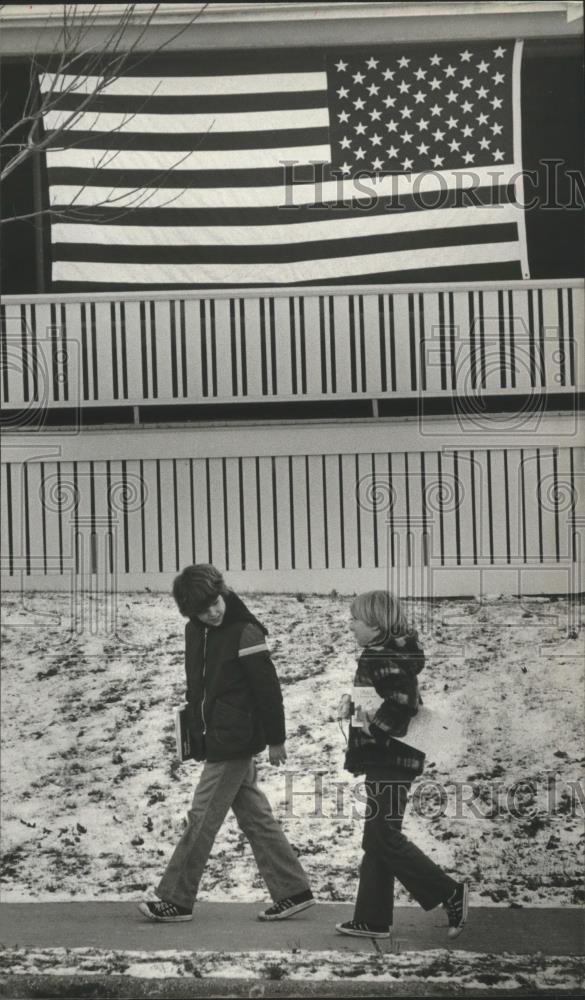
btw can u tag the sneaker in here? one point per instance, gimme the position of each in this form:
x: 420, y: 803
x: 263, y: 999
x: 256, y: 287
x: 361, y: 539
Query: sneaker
x: 165, y: 912
x: 288, y: 906
x: 457, y: 907
x: 354, y: 928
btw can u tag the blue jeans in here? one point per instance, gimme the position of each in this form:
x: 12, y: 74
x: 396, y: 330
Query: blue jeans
x: 224, y: 785
x: 388, y: 854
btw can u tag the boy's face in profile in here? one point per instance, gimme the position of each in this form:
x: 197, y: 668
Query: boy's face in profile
x: 214, y: 612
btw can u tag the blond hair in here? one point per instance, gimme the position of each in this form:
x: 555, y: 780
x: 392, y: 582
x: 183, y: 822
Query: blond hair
x: 382, y: 610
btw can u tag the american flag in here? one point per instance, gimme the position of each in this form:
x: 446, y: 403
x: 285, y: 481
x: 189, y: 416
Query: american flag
x: 394, y: 164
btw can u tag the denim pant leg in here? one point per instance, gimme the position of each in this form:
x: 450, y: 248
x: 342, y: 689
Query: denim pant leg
x: 218, y: 786
x: 389, y: 854
x: 276, y: 860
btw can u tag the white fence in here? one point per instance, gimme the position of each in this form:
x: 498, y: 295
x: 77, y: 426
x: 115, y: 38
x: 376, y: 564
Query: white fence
x: 472, y: 503
x: 354, y: 505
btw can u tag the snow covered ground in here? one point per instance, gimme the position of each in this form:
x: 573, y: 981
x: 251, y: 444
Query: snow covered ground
x: 94, y: 798
x: 459, y: 970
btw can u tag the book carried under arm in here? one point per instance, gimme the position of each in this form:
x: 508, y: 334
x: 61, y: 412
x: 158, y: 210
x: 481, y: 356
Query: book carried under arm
x: 182, y: 734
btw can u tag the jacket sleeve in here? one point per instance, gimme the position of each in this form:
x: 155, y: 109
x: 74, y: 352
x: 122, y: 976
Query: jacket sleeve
x: 394, y: 678
x: 263, y: 681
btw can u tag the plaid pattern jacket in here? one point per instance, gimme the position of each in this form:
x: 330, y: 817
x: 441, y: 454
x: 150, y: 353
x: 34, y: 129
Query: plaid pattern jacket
x: 392, y: 671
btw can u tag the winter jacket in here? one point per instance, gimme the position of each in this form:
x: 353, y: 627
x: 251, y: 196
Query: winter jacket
x: 233, y: 695
x: 389, y: 673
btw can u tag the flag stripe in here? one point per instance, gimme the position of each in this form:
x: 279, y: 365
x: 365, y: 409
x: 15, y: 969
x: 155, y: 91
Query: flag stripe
x: 295, y: 272
x: 170, y: 86
x: 307, y: 231
x: 161, y: 160
x: 491, y: 271
x: 187, y: 105
x: 283, y: 253
x: 212, y: 217
x: 197, y: 140
x: 278, y: 195
x: 227, y: 122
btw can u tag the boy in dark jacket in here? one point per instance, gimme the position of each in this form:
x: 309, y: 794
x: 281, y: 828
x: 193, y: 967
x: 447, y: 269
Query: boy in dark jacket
x: 235, y: 710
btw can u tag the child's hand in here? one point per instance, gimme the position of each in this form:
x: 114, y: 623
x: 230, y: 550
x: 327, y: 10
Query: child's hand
x: 365, y: 719
x: 344, y: 707
x: 277, y: 754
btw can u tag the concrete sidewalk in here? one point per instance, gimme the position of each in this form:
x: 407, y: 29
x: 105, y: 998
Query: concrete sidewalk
x: 233, y: 927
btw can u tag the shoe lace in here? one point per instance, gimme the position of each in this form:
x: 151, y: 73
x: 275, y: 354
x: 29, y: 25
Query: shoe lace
x: 454, y: 908
x: 166, y: 909
x: 283, y: 904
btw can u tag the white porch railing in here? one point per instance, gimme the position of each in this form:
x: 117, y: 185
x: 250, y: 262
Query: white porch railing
x: 95, y: 350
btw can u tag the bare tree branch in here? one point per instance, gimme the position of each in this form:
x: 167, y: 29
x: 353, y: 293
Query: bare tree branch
x: 75, y: 59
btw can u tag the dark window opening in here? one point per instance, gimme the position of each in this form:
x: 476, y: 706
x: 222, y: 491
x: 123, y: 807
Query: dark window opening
x: 22, y: 240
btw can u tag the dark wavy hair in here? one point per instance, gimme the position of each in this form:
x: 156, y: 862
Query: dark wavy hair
x: 196, y: 587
